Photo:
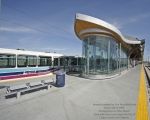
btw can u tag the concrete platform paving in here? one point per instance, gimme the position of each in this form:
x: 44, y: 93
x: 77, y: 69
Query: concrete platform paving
x: 80, y: 99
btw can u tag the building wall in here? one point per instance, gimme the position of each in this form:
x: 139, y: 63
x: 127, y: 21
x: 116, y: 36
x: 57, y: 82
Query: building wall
x: 103, y: 55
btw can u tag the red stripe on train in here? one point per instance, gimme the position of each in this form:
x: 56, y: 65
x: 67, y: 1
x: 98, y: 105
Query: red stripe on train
x: 22, y: 75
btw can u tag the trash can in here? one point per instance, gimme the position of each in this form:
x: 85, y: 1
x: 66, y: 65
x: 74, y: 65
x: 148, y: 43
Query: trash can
x: 60, y: 79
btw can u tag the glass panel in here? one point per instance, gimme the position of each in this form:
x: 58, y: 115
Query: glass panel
x: 91, y: 54
x: 123, y: 59
x: 113, y: 66
x: 55, y: 61
x: 102, y: 54
x: 32, y: 61
x: 62, y: 61
x: 84, y: 54
x: 45, y: 61
x: 80, y: 61
x: 22, y: 61
x: 7, y: 61
x: 73, y: 61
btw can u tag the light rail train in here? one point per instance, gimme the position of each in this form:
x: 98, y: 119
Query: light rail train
x: 22, y: 63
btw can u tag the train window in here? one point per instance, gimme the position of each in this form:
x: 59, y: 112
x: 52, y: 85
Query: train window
x: 24, y: 61
x: 79, y: 61
x: 32, y: 61
x: 67, y: 61
x: 7, y: 61
x: 55, y: 61
x: 74, y: 61
x: 44, y: 61
x: 62, y: 61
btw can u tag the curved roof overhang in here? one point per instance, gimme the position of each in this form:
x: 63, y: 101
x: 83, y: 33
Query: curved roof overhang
x: 87, y: 25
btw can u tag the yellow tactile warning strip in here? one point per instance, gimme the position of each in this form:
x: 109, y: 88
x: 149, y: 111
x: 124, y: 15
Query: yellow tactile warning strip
x: 24, y: 78
x: 142, y: 112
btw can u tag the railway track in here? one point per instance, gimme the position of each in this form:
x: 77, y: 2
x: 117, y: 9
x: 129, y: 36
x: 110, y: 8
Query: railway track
x: 147, y: 72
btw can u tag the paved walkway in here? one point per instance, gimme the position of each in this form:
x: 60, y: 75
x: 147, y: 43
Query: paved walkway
x: 142, y: 104
x: 80, y: 99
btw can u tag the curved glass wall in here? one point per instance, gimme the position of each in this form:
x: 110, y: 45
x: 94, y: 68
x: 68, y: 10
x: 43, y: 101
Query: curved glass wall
x: 102, y: 55
x: 123, y: 59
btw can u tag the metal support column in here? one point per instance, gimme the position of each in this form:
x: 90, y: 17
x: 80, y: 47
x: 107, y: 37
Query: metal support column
x: 87, y: 68
x: 108, y: 56
x: 128, y: 62
x: 120, y: 58
x: 94, y: 57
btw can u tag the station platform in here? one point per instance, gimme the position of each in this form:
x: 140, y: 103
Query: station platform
x: 118, y: 98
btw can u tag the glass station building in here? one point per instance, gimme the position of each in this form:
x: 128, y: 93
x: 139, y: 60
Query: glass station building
x: 105, y: 50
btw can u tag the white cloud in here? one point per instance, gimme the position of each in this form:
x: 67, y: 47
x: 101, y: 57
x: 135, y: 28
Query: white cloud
x: 117, y: 24
x: 17, y: 29
x: 121, y: 22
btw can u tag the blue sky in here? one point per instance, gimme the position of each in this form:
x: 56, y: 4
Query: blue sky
x: 48, y: 25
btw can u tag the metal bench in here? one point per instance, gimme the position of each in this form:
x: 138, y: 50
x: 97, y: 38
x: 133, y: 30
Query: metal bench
x: 26, y: 88
x: 12, y: 94
x: 16, y: 88
x: 34, y: 88
x: 34, y: 84
x: 49, y: 81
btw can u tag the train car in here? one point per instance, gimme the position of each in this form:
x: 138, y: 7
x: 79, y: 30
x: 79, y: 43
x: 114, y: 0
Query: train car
x: 21, y: 63
x: 68, y: 63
